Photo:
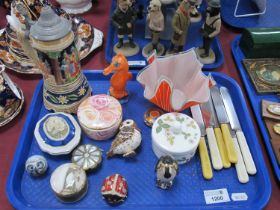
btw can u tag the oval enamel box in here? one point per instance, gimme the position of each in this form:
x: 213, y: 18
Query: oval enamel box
x: 100, y: 116
x: 177, y: 135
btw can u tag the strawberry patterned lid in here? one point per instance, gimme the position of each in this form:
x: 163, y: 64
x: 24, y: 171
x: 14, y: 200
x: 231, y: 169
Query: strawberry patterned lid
x: 176, y: 133
x: 99, y: 112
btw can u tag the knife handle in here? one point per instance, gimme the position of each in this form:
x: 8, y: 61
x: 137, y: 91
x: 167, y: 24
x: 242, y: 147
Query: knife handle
x: 232, y: 156
x: 240, y: 166
x: 214, y: 150
x: 222, y: 148
x: 204, y: 159
x: 248, y: 160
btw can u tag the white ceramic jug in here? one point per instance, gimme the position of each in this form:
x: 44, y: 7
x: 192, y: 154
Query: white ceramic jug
x: 75, y: 6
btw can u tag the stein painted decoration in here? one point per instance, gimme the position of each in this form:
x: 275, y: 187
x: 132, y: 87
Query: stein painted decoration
x: 11, y: 98
x: 75, y: 6
x: 174, y: 86
x: 65, y: 86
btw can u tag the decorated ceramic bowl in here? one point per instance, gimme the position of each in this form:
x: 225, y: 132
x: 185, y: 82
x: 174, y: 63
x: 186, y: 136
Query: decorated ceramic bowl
x: 175, y: 87
x: 100, y: 116
x: 177, y: 135
x: 57, y: 133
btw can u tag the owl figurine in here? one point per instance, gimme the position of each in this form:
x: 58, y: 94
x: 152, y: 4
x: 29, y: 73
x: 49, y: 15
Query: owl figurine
x: 127, y: 140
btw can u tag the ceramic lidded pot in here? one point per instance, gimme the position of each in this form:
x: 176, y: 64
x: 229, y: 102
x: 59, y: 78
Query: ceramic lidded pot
x: 100, y: 116
x: 177, y: 135
x: 65, y: 86
x: 75, y: 6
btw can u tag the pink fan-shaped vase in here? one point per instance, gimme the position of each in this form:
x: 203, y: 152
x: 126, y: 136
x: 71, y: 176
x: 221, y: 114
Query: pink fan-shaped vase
x: 176, y: 82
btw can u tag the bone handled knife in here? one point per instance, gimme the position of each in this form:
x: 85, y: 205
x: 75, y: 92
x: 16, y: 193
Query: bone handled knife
x: 203, y: 152
x: 211, y: 122
x: 235, y: 125
x: 212, y: 142
x: 224, y: 121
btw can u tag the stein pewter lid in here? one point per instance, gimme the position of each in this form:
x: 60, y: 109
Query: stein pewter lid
x: 50, y: 26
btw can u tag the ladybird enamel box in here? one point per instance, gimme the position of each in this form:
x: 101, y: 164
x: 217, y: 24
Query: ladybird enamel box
x: 177, y: 135
x: 100, y: 116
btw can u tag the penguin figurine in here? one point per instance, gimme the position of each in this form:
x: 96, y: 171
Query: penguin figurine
x: 127, y: 140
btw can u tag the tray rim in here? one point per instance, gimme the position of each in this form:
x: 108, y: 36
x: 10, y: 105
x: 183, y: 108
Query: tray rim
x: 262, y: 202
x: 110, y: 33
x: 265, y: 135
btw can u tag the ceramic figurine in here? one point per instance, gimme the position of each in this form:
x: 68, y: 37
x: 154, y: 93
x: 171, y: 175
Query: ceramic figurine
x: 127, y: 140
x: 100, y: 116
x: 123, y: 19
x: 166, y: 170
x: 195, y: 15
x: 36, y: 165
x: 155, y: 21
x: 120, y: 67
x: 177, y: 135
x: 11, y: 98
x: 87, y: 156
x: 175, y: 87
x: 57, y: 133
x: 69, y: 182
x: 114, y: 189
x: 75, y: 6
x: 65, y: 86
x: 180, y: 25
x: 210, y: 29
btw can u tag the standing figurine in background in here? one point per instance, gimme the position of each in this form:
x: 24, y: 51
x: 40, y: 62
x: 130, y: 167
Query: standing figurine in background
x: 180, y: 25
x: 123, y: 19
x: 166, y: 170
x: 194, y: 13
x: 210, y: 29
x: 155, y: 21
x: 118, y: 81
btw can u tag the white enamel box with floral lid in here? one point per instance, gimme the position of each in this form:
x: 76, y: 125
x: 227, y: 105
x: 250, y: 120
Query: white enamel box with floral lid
x: 100, y: 116
x: 175, y: 134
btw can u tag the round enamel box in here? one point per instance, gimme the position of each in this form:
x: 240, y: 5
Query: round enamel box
x: 177, y: 135
x: 100, y: 116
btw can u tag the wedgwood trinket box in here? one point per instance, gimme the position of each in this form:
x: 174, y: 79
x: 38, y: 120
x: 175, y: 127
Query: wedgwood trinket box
x: 127, y: 140
x: 100, y: 116
x: 177, y: 135
x: 36, y: 165
x: 65, y: 86
x: 57, y: 133
x: 87, y: 156
x: 69, y: 182
x: 114, y: 189
x: 75, y: 6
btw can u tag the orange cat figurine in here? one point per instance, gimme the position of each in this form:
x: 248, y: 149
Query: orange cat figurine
x: 119, y: 66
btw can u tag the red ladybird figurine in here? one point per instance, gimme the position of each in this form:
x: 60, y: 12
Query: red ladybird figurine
x: 114, y: 189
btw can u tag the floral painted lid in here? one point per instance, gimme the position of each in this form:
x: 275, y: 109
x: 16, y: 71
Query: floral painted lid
x: 176, y: 133
x: 100, y: 112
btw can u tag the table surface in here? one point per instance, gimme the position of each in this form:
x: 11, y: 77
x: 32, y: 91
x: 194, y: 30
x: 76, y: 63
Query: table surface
x: 98, y: 16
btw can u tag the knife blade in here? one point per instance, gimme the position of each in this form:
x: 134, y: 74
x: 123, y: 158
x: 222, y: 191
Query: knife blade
x: 211, y: 122
x: 212, y: 142
x: 203, y: 152
x: 11, y: 84
x: 235, y: 125
x: 223, y: 120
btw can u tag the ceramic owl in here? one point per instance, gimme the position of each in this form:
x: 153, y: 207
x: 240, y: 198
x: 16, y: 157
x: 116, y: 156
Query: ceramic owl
x: 127, y: 140
x: 36, y: 165
x: 166, y: 171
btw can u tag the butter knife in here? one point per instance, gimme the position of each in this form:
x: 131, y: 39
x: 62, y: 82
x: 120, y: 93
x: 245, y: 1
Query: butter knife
x: 11, y: 84
x: 203, y: 152
x: 235, y: 125
x: 209, y: 115
x: 224, y: 121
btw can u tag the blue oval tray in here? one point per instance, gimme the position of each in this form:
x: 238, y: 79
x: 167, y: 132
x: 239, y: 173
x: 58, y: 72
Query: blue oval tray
x: 27, y: 193
x: 194, y: 39
x: 255, y: 100
x: 269, y: 19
